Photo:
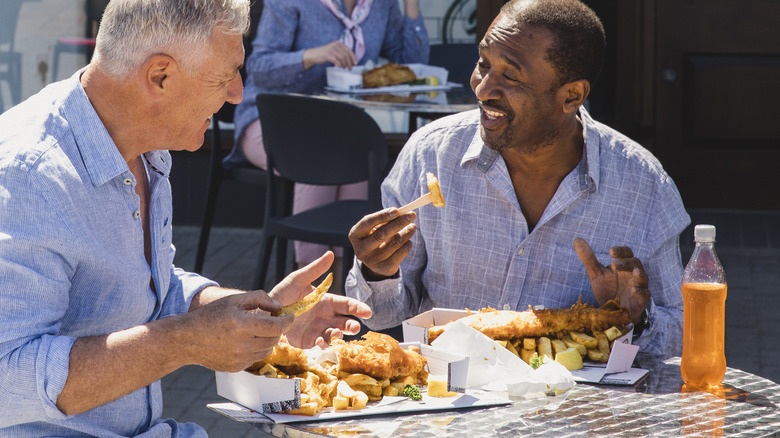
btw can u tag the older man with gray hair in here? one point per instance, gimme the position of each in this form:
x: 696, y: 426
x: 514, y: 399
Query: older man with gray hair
x: 92, y: 311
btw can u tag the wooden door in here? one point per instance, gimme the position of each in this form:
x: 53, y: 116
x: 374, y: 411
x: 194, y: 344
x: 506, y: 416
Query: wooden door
x: 717, y: 99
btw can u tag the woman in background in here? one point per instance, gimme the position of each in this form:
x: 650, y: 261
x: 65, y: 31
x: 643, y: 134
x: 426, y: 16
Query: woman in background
x: 296, y: 40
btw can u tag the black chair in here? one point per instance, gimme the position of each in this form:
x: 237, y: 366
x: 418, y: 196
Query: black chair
x: 459, y: 59
x: 316, y: 141
x: 221, y: 170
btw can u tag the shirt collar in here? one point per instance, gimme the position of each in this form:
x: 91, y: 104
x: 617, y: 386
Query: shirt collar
x: 589, y: 165
x: 588, y: 168
x: 100, y: 154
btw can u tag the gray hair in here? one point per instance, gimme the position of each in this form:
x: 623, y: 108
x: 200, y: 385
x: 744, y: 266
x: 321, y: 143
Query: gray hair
x: 132, y: 30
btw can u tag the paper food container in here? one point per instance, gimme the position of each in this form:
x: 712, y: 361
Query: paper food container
x: 416, y: 328
x: 267, y: 395
x: 616, y: 371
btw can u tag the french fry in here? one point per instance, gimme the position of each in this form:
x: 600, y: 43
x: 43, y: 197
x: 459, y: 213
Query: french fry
x: 572, y: 344
x: 586, y: 340
x: 558, y: 346
x: 434, y: 196
x: 529, y: 344
x: 355, y: 380
x: 612, y: 333
x: 390, y: 391
x: 544, y: 347
x: 526, y: 355
x: 308, y: 408
x: 268, y: 370
x: 603, y: 345
x: 595, y: 355
x: 306, y: 303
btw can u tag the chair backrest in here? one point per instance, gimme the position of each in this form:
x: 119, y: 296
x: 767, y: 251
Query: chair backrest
x: 458, y: 58
x: 318, y: 141
x: 9, y: 15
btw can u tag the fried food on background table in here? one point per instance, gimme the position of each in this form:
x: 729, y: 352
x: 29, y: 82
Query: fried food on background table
x: 388, y: 74
x: 309, y: 301
x: 379, y: 356
x: 510, y: 324
x: 433, y: 187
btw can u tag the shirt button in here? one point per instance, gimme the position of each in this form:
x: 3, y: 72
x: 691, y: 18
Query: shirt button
x: 507, y: 307
x: 520, y: 252
x: 137, y: 214
x: 127, y: 181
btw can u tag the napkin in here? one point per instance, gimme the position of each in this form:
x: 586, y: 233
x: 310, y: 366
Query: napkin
x: 494, y: 368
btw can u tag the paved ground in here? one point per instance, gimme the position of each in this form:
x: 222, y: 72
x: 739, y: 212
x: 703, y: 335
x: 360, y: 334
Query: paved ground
x: 748, y: 246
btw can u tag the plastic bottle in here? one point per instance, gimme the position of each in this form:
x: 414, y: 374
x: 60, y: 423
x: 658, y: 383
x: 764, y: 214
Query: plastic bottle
x: 704, y: 314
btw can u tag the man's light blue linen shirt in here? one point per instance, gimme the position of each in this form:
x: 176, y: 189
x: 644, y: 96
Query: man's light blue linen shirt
x: 72, y: 264
x: 477, y: 251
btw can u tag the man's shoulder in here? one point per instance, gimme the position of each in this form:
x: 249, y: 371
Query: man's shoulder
x: 618, y: 149
x: 447, y: 131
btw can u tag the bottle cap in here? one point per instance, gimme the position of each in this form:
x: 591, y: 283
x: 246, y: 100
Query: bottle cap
x: 704, y: 233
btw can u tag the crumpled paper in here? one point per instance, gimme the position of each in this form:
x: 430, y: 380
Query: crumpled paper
x: 494, y: 368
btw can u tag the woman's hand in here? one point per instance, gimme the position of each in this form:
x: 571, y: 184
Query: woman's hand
x: 336, y: 53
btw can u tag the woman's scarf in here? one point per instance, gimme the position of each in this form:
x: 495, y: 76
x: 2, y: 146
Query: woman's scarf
x: 352, y: 36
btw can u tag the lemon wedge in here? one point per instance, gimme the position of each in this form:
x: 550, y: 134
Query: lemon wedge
x: 431, y: 80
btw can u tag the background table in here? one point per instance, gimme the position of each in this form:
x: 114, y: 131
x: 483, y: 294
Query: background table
x: 654, y: 407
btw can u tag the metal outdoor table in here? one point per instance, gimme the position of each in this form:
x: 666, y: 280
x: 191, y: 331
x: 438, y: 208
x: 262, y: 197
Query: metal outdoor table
x: 656, y: 406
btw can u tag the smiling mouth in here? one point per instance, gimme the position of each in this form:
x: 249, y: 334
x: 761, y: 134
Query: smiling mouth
x: 492, y: 114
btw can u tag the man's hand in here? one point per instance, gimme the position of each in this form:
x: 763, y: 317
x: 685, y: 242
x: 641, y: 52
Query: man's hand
x: 624, y: 280
x: 381, y: 241
x: 336, y: 53
x: 235, y: 331
x: 328, y: 319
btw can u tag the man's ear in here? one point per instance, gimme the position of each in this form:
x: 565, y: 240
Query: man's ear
x: 157, y: 72
x: 575, y: 93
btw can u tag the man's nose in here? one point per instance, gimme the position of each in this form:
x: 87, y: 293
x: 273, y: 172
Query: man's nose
x: 235, y: 90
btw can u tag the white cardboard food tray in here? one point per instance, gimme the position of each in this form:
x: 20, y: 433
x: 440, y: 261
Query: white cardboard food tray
x: 351, y: 80
x: 617, y: 371
x: 266, y: 396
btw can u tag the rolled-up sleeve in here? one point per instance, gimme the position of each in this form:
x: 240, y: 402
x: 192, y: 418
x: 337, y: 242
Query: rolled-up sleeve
x: 34, y: 294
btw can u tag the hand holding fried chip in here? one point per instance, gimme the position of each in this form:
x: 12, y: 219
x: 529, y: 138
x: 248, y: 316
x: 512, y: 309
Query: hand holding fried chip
x: 307, y: 302
x: 433, y: 196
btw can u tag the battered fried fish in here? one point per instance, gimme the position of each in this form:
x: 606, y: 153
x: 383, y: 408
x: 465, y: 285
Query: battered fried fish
x: 379, y: 356
x: 388, y: 74
x: 291, y: 359
x: 510, y: 324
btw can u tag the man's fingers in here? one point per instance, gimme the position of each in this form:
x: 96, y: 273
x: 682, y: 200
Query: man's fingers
x: 369, y: 222
x: 640, y: 278
x: 348, y: 306
x: 313, y: 270
x: 588, y: 258
x: 626, y: 264
x: 621, y: 252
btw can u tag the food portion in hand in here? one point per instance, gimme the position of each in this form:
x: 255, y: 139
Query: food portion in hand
x: 388, y: 74
x: 309, y: 301
x: 433, y: 187
x: 434, y: 196
x: 366, y: 370
x: 588, y: 330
